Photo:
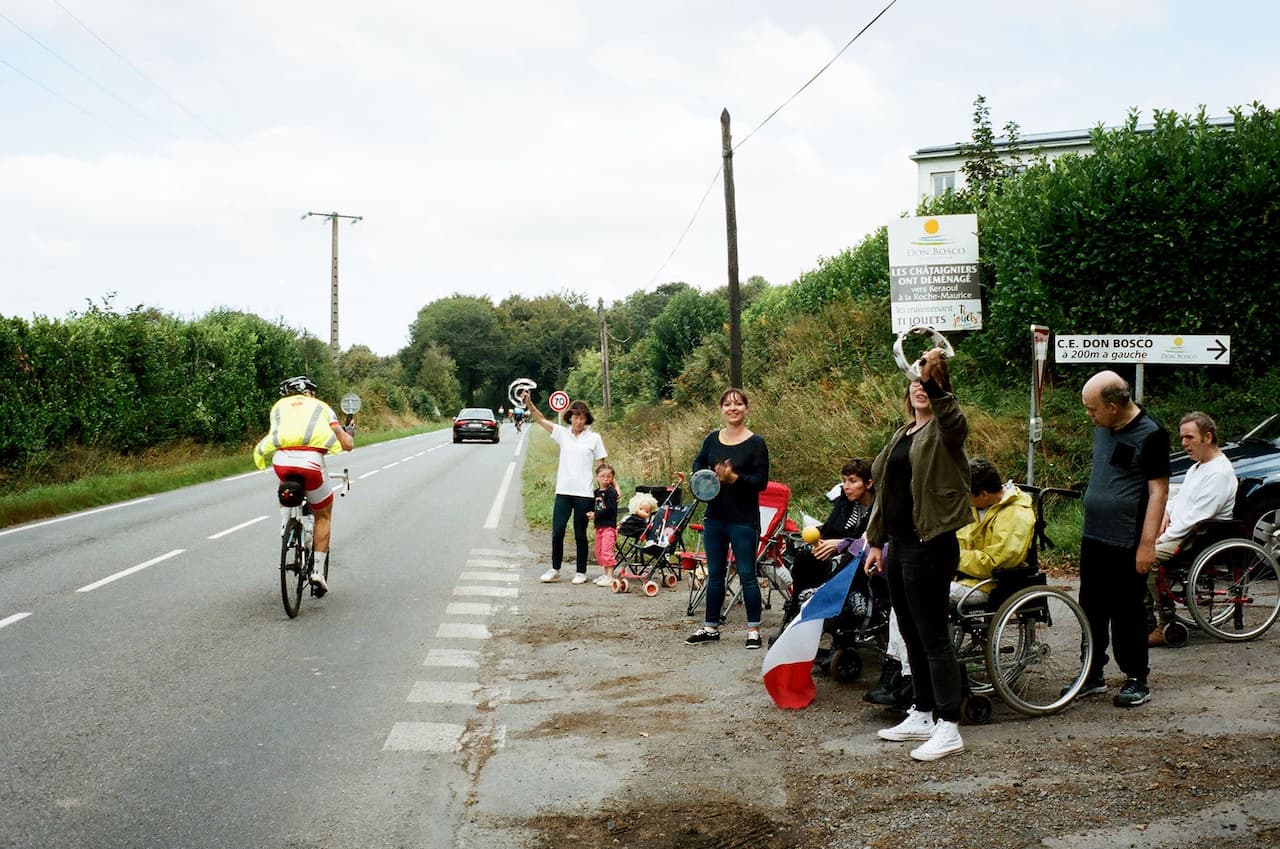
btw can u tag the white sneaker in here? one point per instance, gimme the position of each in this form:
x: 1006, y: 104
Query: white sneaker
x: 604, y: 581
x: 550, y: 575
x: 579, y: 577
x: 317, y: 579
x: 918, y: 725
x: 945, y: 741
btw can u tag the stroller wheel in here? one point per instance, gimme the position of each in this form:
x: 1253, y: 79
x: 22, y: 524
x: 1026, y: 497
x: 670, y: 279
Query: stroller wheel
x: 845, y: 665
x: 620, y: 585
x: 650, y: 588
x: 670, y: 581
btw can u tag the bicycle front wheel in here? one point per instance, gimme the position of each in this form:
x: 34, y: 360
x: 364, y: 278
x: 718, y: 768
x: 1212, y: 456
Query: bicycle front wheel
x: 293, y: 567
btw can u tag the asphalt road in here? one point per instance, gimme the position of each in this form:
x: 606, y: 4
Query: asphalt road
x: 153, y: 693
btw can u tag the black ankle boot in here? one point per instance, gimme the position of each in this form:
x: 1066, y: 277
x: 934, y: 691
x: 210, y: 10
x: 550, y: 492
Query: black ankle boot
x: 885, y: 692
x: 904, y: 696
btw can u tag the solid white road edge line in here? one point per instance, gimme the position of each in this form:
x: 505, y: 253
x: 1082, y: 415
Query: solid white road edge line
x: 88, y: 587
x: 75, y: 516
x: 491, y: 521
x: 241, y: 526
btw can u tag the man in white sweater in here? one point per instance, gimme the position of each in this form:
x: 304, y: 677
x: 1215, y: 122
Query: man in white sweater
x: 1208, y: 492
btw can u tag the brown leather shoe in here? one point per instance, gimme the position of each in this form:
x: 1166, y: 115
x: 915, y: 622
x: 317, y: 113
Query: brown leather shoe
x: 1156, y: 637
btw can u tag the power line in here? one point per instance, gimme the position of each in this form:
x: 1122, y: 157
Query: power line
x: 815, y: 76
x: 783, y: 105
x: 55, y: 54
x: 73, y: 104
x: 192, y: 115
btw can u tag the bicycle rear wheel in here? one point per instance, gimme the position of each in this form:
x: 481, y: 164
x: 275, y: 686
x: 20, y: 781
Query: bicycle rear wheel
x: 293, y: 567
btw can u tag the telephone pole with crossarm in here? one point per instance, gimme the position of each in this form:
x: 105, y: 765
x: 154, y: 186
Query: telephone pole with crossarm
x: 333, y: 306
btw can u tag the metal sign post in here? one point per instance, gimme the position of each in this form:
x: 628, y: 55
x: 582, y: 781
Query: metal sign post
x: 1035, y: 424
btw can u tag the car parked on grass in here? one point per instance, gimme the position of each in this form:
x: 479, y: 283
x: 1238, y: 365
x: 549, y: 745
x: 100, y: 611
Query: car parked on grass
x: 475, y: 423
x: 1256, y: 460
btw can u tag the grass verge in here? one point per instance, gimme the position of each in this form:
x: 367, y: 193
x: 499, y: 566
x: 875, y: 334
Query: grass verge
x: 158, y: 471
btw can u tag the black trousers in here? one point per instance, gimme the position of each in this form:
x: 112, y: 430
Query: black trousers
x: 919, y: 576
x: 1113, y: 596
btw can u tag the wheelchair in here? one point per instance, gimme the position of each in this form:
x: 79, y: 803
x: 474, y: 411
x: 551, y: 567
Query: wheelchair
x: 1029, y: 643
x: 1224, y: 580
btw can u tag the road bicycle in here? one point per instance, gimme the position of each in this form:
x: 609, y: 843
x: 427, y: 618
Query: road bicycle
x: 297, y: 559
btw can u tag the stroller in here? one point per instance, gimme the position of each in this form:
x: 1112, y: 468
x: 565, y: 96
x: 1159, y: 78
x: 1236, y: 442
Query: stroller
x: 772, y: 564
x: 652, y: 559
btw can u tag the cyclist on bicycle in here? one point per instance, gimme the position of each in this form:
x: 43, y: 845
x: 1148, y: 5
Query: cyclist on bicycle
x: 303, y: 430
x: 518, y: 414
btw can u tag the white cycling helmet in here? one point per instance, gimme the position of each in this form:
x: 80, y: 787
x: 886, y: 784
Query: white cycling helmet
x: 297, y: 386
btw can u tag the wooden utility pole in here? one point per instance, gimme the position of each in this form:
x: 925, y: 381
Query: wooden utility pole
x: 604, y: 356
x: 333, y: 286
x: 731, y: 225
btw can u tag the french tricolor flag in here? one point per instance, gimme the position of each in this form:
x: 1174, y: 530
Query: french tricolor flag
x: 788, y: 665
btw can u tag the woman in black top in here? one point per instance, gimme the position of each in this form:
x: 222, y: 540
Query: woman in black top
x: 741, y: 462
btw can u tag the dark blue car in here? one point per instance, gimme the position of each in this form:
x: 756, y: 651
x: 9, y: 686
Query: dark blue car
x: 1256, y: 460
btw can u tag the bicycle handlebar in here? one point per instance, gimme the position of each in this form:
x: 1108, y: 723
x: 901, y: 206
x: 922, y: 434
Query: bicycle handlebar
x: 345, y: 477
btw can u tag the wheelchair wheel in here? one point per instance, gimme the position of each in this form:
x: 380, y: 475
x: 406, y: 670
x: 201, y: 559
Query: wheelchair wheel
x: 1039, y: 649
x: 1236, y: 586
x: 845, y: 665
x: 971, y: 650
x: 1175, y: 635
x: 977, y: 710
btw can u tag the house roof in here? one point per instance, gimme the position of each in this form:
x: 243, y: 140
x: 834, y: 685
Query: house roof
x: 1044, y: 141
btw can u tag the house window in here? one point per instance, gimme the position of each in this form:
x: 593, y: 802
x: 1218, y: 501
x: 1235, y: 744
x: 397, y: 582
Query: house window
x: 943, y: 181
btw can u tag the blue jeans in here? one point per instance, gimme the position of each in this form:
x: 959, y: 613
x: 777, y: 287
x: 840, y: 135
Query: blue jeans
x: 919, y: 576
x: 579, y: 506
x: 718, y: 537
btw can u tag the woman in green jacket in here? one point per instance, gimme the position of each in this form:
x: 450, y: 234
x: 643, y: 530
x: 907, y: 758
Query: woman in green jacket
x: 923, y: 479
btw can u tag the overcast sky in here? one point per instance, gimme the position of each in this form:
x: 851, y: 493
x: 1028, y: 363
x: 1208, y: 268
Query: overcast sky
x: 166, y: 151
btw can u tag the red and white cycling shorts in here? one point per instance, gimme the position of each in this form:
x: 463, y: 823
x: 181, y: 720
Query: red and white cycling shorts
x: 308, y: 465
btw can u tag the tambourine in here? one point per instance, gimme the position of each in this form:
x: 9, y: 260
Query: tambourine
x: 518, y: 387
x: 705, y: 484
x: 912, y: 370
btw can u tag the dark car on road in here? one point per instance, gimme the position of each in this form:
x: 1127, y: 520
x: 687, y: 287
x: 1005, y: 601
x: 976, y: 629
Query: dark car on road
x: 1256, y: 460
x: 475, y: 423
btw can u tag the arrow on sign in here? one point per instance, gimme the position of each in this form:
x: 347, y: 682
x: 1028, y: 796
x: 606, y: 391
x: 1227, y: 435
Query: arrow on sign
x: 1221, y: 349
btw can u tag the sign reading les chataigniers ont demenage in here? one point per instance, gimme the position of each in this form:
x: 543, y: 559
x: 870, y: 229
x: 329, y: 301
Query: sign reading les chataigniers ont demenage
x: 933, y: 273
x: 1174, y: 350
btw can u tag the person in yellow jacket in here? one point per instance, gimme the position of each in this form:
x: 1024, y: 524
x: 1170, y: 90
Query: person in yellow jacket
x: 999, y: 537
x: 303, y: 430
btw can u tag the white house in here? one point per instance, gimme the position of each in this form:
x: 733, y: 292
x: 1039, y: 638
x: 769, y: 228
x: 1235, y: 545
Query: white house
x: 939, y: 167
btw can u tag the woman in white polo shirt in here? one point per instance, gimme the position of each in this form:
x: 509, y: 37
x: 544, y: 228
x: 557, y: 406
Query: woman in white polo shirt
x: 580, y: 449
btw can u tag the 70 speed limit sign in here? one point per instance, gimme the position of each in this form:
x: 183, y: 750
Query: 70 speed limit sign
x: 558, y: 401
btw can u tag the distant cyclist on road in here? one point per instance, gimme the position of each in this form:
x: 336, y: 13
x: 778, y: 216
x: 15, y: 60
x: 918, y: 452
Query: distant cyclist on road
x: 518, y: 415
x: 303, y: 430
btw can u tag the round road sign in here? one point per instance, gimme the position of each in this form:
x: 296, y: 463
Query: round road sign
x: 558, y: 401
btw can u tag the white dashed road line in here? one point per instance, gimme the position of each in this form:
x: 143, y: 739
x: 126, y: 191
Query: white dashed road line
x: 368, y: 474
x: 239, y: 527
x: 451, y: 657
x: 486, y: 592
x: 505, y: 577
x: 9, y: 620
x: 462, y: 631
x: 118, y: 575
x: 442, y: 737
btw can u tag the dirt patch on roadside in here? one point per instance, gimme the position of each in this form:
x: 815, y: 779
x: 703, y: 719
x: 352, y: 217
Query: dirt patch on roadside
x: 702, y: 757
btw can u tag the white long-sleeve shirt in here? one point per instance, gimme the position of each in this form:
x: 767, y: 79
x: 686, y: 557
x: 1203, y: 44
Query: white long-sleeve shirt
x: 1208, y: 492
